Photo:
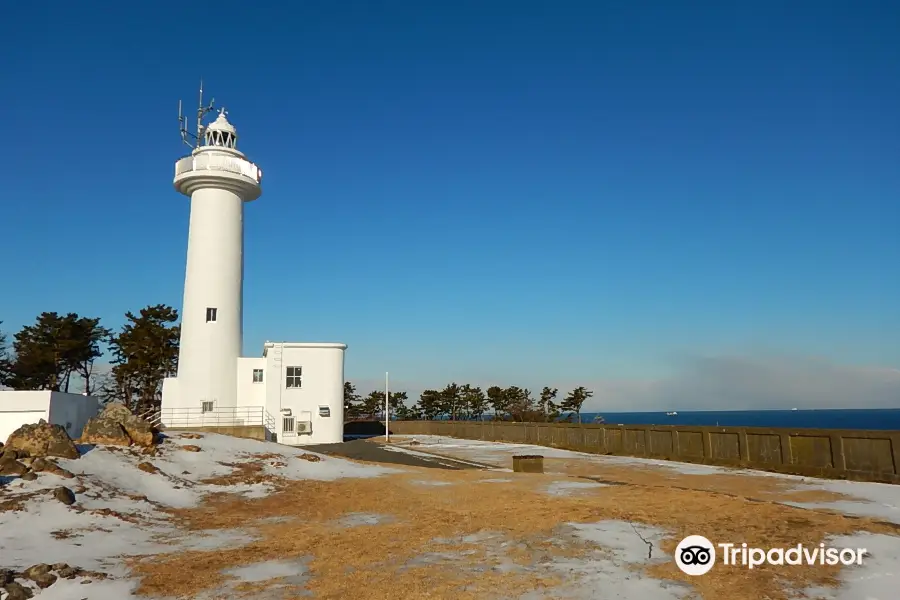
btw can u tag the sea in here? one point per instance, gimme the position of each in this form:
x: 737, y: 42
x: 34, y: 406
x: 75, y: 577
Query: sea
x: 852, y: 418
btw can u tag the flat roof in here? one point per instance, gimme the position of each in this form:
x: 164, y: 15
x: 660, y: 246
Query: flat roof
x: 310, y: 345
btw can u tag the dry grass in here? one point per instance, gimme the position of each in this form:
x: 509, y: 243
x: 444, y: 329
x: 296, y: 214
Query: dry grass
x: 647, y: 474
x: 374, y: 562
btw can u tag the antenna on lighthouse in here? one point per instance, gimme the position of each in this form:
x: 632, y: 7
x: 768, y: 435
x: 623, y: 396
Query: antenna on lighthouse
x: 193, y: 140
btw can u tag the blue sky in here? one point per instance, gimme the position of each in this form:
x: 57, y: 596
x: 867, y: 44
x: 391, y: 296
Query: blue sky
x: 522, y: 193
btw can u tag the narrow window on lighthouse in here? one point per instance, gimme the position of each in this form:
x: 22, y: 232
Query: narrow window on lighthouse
x: 210, y: 315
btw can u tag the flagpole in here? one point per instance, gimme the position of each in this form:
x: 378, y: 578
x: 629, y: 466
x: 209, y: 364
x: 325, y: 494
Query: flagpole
x: 387, y: 409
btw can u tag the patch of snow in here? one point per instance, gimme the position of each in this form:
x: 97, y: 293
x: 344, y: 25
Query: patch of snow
x: 632, y: 542
x: 427, y: 456
x: 496, y: 480
x: 361, y: 519
x: 876, y: 578
x: 212, y: 539
x: 47, y: 531
x: 117, y: 513
x: 97, y: 589
x: 565, y: 488
x: 494, y: 452
x: 295, y: 571
x: 876, y: 500
x: 610, y: 567
x: 432, y: 482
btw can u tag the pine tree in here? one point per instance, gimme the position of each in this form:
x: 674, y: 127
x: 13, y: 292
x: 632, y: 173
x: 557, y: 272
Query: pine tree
x: 574, y: 401
x: 144, y: 352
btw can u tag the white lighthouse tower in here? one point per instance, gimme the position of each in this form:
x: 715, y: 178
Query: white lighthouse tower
x: 294, y: 392
x: 219, y: 180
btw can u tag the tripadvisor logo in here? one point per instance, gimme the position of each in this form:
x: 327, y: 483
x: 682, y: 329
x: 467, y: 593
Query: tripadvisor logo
x: 696, y: 555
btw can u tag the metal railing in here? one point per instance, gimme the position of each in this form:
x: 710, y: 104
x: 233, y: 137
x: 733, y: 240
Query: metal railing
x: 240, y: 416
x: 152, y: 416
x: 208, y: 161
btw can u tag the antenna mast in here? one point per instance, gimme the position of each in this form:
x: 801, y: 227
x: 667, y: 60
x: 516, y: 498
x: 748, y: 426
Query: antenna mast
x: 190, y: 139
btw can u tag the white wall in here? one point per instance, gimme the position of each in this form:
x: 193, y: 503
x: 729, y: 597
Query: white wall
x: 171, y: 399
x: 250, y: 393
x: 72, y: 411
x: 322, y: 385
x: 18, y: 408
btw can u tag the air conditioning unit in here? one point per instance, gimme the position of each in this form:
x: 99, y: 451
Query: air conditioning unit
x: 304, y: 427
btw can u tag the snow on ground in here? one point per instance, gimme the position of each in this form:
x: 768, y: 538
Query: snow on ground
x: 876, y: 500
x: 610, y: 567
x: 362, y: 519
x: 425, y: 455
x: 566, y: 488
x: 117, y: 509
x: 619, y: 547
x: 876, y: 579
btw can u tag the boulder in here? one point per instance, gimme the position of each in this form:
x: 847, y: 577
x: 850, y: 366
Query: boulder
x: 148, y: 467
x: 45, y: 465
x: 64, y: 495
x: 16, y: 591
x: 41, y: 575
x: 117, y: 426
x: 41, y: 439
x: 12, y: 468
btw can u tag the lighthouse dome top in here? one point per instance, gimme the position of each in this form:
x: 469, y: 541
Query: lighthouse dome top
x: 221, y: 133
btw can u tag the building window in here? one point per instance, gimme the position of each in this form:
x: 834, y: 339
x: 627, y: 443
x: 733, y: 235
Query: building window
x: 210, y: 315
x: 287, y: 425
x: 293, y: 377
x: 257, y: 375
x: 207, y: 407
x: 324, y: 411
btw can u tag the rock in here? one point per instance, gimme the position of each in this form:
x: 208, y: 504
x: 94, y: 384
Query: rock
x: 64, y: 495
x: 191, y: 448
x: 117, y: 426
x: 110, y: 433
x: 148, y: 467
x: 310, y: 457
x: 42, y: 439
x: 12, y: 467
x: 7, y: 576
x: 45, y: 580
x: 52, y: 467
x: 16, y: 591
x: 39, y: 464
x: 39, y: 569
x: 28, y: 476
x: 191, y: 436
x: 67, y: 572
x: 41, y: 575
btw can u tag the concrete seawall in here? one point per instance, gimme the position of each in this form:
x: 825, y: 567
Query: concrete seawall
x: 860, y: 455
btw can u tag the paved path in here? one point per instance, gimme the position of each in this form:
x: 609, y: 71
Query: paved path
x: 371, y: 451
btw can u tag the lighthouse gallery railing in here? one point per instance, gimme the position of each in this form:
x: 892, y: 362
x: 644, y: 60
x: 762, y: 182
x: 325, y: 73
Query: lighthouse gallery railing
x: 218, y: 162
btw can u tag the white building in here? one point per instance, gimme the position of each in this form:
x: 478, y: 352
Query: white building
x: 72, y: 411
x: 295, y: 390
